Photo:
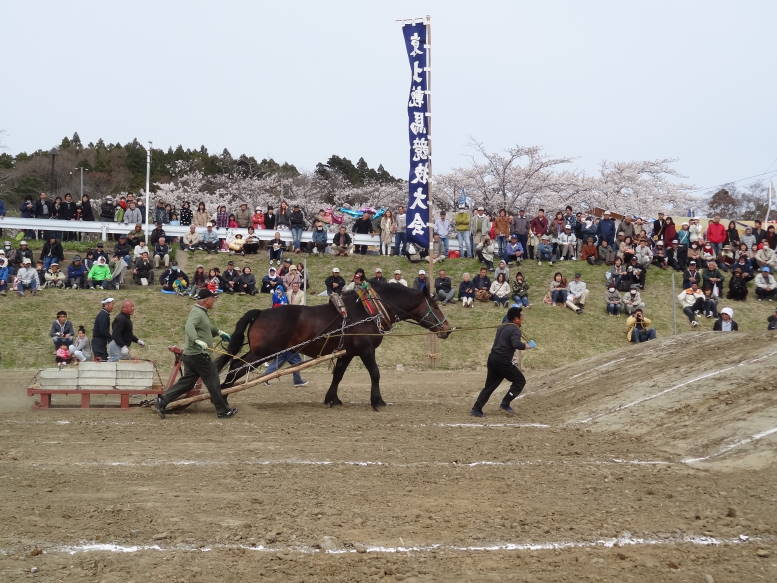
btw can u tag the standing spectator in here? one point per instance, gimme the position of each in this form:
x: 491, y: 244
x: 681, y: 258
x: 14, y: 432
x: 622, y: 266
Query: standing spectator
x: 201, y: 216
x: 626, y: 227
x: 638, y: 327
x: 363, y: 226
x: 658, y: 227
x: 479, y: 226
x: 716, y: 234
x: 692, y: 302
x: 297, y: 224
x: 695, y: 231
x: 606, y: 229
x: 400, y: 232
x: 2, y: 213
x: 257, y: 219
x: 388, y: 231
x: 443, y: 287
x: 502, y: 229
x: 462, y: 224
x: 765, y: 285
x: 52, y: 252
x: 283, y: 217
x: 133, y: 216
x: 578, y: 293
x: 670, y: 232
x: 222, y: 217
x: 613, y: 300
x: 520, y: 227
x: 758, y: 232
x: 27, y: 211
x: 269, y: 218
x: 243, y: 216
x: 160, y: 213
x: 186, y: 216
x: 442, y: 227
x: 43, y: 210
x: 122, y: 335
x: 61, y: 331
x: 27, y: 278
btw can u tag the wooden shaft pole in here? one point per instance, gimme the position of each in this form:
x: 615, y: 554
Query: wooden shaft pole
x: 278, y: 373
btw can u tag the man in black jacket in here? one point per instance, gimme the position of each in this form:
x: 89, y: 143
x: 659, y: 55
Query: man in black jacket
x: 334, y: 283
x: 122, y: 335
x: 101, y: 333
x: 500, y: 364
x: 107, y: 210
x: 230, y: 277
x: 363, y: 226
x: 52, y: 252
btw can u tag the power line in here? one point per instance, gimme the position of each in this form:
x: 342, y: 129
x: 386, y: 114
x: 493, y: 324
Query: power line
x: 733, y: 181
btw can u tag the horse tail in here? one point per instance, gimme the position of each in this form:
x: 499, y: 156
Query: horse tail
x: 238, y: 336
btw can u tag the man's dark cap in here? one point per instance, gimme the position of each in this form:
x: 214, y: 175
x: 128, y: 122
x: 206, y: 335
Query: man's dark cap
x: 205, y: 293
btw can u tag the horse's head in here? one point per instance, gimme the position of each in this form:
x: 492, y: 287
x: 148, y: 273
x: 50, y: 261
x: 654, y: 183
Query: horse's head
x: 421, y: 307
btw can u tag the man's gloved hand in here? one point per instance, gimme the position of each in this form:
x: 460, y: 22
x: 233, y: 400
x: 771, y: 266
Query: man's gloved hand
x: 225, y: 336
x: 125, y: 350
x: 141, y: 343
x: 201, y: 343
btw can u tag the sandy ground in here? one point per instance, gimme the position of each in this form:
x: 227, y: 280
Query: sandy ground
x: 613, y: 470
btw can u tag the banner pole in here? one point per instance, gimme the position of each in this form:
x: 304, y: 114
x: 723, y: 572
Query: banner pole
x: 433, y: 342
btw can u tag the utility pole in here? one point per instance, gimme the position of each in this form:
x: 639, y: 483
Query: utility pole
x: 148, y: 185
x: 769, y: 204
x: 82, y: 169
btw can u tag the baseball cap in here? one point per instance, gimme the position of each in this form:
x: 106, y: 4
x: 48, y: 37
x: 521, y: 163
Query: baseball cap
x: 53, y: 264
x: 397, y: 272
x: 378, y: 270
x: 205, y: 293
x: 76, y: 258
x: 26, y: 260
x: 2, y: 251
x: 480, y: 208
x: 258, y: 208
x: 7, y: 243
x: 22, y: 242
x: 692, y: 263
x: 335, y: 270
x: 607, y: 212
x: 421, y: 272
x: 766, y: 268
x: 578, y: 275
x: 107, y: 301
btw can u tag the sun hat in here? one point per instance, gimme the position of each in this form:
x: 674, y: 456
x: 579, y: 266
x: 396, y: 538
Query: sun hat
x: 728, y: 311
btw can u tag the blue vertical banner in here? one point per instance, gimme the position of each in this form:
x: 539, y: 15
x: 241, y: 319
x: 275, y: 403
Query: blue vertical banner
x: 416, y: 37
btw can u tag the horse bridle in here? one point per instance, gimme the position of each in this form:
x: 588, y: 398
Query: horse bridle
x: 435, y: 322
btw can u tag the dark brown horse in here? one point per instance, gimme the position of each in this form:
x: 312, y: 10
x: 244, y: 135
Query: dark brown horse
x: 271, y: 331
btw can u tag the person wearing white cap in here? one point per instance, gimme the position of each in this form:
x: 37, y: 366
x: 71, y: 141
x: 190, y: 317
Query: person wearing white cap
x: 398, y: 279
x: 335, y: 282
x: 101, y: 331
x: 378, y: 277
x: 726, y: 321
x: 54, y: 277
x: 479, y: 226
x: 606, y: 229
x: 421, y: 283
x: 27, y: 278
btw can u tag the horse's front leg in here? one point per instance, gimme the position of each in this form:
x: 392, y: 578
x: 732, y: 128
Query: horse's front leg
x: 238, y: 368
x: 372, y: 367
x: 331, y: 397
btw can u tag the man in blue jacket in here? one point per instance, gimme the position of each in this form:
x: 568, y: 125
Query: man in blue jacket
x: 606, y: 229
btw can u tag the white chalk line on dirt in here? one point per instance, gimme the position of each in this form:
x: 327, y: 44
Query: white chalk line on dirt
x: 354, y: 463
x: 485, y: 425
x: 604, y: 543
x: 601, y: 366
x: 733, y: 446
x: 671, y: 389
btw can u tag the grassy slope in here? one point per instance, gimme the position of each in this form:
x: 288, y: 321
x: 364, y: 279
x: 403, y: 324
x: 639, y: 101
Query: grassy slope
x: 562, y: 336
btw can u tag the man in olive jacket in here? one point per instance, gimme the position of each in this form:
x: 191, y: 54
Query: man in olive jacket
x: 197, y: 363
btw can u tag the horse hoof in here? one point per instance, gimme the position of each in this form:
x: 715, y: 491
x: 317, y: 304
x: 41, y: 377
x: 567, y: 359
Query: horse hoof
x: 333, y: 403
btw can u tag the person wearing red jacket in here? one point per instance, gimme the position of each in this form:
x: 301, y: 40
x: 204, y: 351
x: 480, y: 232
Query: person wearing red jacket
x: 716, y: 234
x: 539, y: 224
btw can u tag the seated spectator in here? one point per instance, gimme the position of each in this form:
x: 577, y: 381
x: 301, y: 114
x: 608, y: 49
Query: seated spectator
x: 557, y: 290
x: 415, y: 252
x: 99, y: 275
x: 589, y: 252
x: 136, y: 235
x: 484, y: 251
x: 577, y: 294
x: 27, y: 278
x: 712, y: 278
x: 174, y: 279
x: 676, y: 256
x: 500, y: 290
x: 398, y: 279
x: 214, y: 284
x: 726, y: 260
x: 296, y: 295
x: 41, y: 273
x: 191, y: 241
x: 319, y: 238
x: 276, y: 247
x: 438, y: 249
x: 514, y: 251
x: 62, y: 356
x: 692, y: 275
x: 335, y: 284
x: 613, y: 300
x: 567, y: 244
x: 710, y: 303
x: 229, y: 278
x: 139, y: 249
x: 6, y: 274
x: 122, y: 250
x: 270, y: 280
x: 466, y: 290
x: 252, y: 244
x: 236, y: 244
x: 643, y: 254
x: 162, y: 252
x: 638, y: 327
x: 443, y: 287
x: 632, y: 301
x: 199, y: 278
x: 625, y: 249
x: 694, y: 253
x: 708, y: 253
x: 246, y: 284
x: 304, y: 282
x: 142, y: 270
x: 635, y: 273
x: 737, y: 286
x: 81, y: 348
x: 482, y: 284
x: 210, y: 239
x: 22, y: 252
x: 544, y: 251
x: 61, y: 331
x: 726, y: 321
x: 520, y: 290
x: 291, y: 276
x: 278, y: 296
x: 99, y: 251
x: 286, y: 266
x: 421, y: 283
x: 771, y: 321
x: 341, y: 244
x: 378, y: 277
x: 660, y: 258
x: 692, y: 302
x: 52, y: 252
x: 765, y: 256
x: 54, y: 277
x: 765, y: 285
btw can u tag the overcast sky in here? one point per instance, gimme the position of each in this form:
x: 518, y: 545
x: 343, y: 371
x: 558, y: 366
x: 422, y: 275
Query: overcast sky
x: 298, y: 81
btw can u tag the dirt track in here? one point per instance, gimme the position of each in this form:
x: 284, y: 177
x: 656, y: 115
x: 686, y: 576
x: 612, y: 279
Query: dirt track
x: 418, y: 491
